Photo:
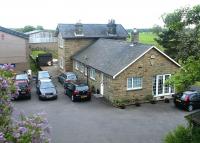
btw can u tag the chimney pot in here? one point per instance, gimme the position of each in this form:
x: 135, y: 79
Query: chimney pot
x: 135, y: 36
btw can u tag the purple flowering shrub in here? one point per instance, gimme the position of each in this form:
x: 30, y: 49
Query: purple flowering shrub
x: 19, y: 129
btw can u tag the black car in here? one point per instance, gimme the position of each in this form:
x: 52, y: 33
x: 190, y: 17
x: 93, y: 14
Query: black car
x: 67, y: 77
x: 188, y: 100
x: 77, y: 91
x: 46, y: 89
x: 23, y: 88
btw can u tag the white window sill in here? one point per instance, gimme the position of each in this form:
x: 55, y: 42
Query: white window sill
x: 61, y: 67
x: 81, y: 71
x: 60, y: 47
x: 130, y: 89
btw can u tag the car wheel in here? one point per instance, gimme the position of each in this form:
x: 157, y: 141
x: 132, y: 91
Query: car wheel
x: 73, y: 99
x: 190, y: 108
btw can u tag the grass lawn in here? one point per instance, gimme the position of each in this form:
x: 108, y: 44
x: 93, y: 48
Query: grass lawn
x: 148, y: 38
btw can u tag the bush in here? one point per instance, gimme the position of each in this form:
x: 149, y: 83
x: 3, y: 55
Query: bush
x: 180, y: 135
x: 22, y: 129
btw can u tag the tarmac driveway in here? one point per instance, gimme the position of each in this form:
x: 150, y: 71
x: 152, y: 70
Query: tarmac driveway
x: 99, y: 122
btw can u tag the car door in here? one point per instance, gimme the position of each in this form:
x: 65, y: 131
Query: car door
x: 198, y: 100
x: 194, y: 100
x: 71, y: 89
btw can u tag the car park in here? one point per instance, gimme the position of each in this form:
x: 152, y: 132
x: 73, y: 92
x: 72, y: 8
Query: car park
x: 23, y: 89
x: 77, y: 91
x: 42, y: 75
x: 67, y: 77
x: 46, y: 89
x: 188, y: 100
x: 22, y: 77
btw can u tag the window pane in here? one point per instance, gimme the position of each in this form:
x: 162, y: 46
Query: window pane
x: 154, y: 85
x: 166, y: 86
x: 129, y: 83
x: 137, y: 82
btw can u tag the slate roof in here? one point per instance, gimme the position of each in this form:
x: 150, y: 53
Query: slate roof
x: 91, y: 31
x: 13, y: 32
x: 111, y: 56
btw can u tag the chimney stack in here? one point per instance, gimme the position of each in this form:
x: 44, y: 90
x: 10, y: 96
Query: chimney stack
x: 135, y: 36
x: 112, y: 27
x: 79, y: 29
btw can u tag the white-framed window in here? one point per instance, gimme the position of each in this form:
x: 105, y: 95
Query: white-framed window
x: 159, y: 88
x: 82, y: 68
x: 76, y: 65
x: 61, y: 63
x: 134, y: 83
x: 92, y: 73
x: 60, y: 41
x: 85, y: 70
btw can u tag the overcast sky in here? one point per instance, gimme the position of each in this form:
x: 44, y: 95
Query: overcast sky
x: 48, y: 13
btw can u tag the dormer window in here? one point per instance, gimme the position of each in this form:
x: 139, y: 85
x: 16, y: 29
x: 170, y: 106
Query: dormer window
x: 78, y: 29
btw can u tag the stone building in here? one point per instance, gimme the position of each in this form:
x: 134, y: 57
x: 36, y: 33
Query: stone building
x: 14, y: 49
x: 73, y: 38
x: 116, y: 68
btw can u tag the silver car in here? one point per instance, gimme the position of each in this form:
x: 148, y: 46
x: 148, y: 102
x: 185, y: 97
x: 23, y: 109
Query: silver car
x: 46, y: 89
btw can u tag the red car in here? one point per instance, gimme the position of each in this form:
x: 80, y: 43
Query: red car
x: 24, y: 90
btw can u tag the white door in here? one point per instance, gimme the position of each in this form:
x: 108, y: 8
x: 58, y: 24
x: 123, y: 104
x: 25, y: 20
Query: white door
x: 102, y: 85
x: 159, y: 86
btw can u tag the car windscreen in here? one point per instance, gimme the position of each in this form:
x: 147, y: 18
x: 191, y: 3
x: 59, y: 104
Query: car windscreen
x: 44, y: 85
x: 71, y: 77
x: 43, y: 75
x: 185, y: 94
x: 22, y: 85
x: 82, y: 87
x: 21, y: 76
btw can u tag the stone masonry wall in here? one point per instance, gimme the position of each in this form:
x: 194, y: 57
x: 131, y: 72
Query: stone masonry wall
x: 145, y: 67
x: 108, y: 89
x: 71, y: 47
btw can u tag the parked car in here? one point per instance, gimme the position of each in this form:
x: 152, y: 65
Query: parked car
x: 22, y: 77
x: 67, y: 77
x: 77, y: 91
x: 24, y: 90
x: 46, y: 89
x: 188, y: 100
x: 42, y: 75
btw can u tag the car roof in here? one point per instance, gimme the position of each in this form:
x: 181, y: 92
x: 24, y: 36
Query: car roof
x: 21, y: 76
x: 21, y: 81
x: 77, y: 83
x: 40, y: 72
x: 45, y: 80
x: 69, y: 73
x: 190, y: 92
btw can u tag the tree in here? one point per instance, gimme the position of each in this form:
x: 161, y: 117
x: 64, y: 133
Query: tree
x: 187, y: 75
x: 181, y: 36
x: 28, y: 28
x: 156, y: 29
x: 39, y: 27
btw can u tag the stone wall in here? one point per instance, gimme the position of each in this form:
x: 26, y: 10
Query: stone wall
x: 108, y: 89
x: 145, y: 67
x: 71, y: 47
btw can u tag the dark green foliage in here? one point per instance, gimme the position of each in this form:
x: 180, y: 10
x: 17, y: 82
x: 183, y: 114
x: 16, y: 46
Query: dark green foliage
x: 29, y: 28
x: 180, y: 135
x: 181, y: 35
x: 187, y: 75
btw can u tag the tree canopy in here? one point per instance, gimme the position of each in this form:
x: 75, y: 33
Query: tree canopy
x: 181, y: 34
x: 29, y: 28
